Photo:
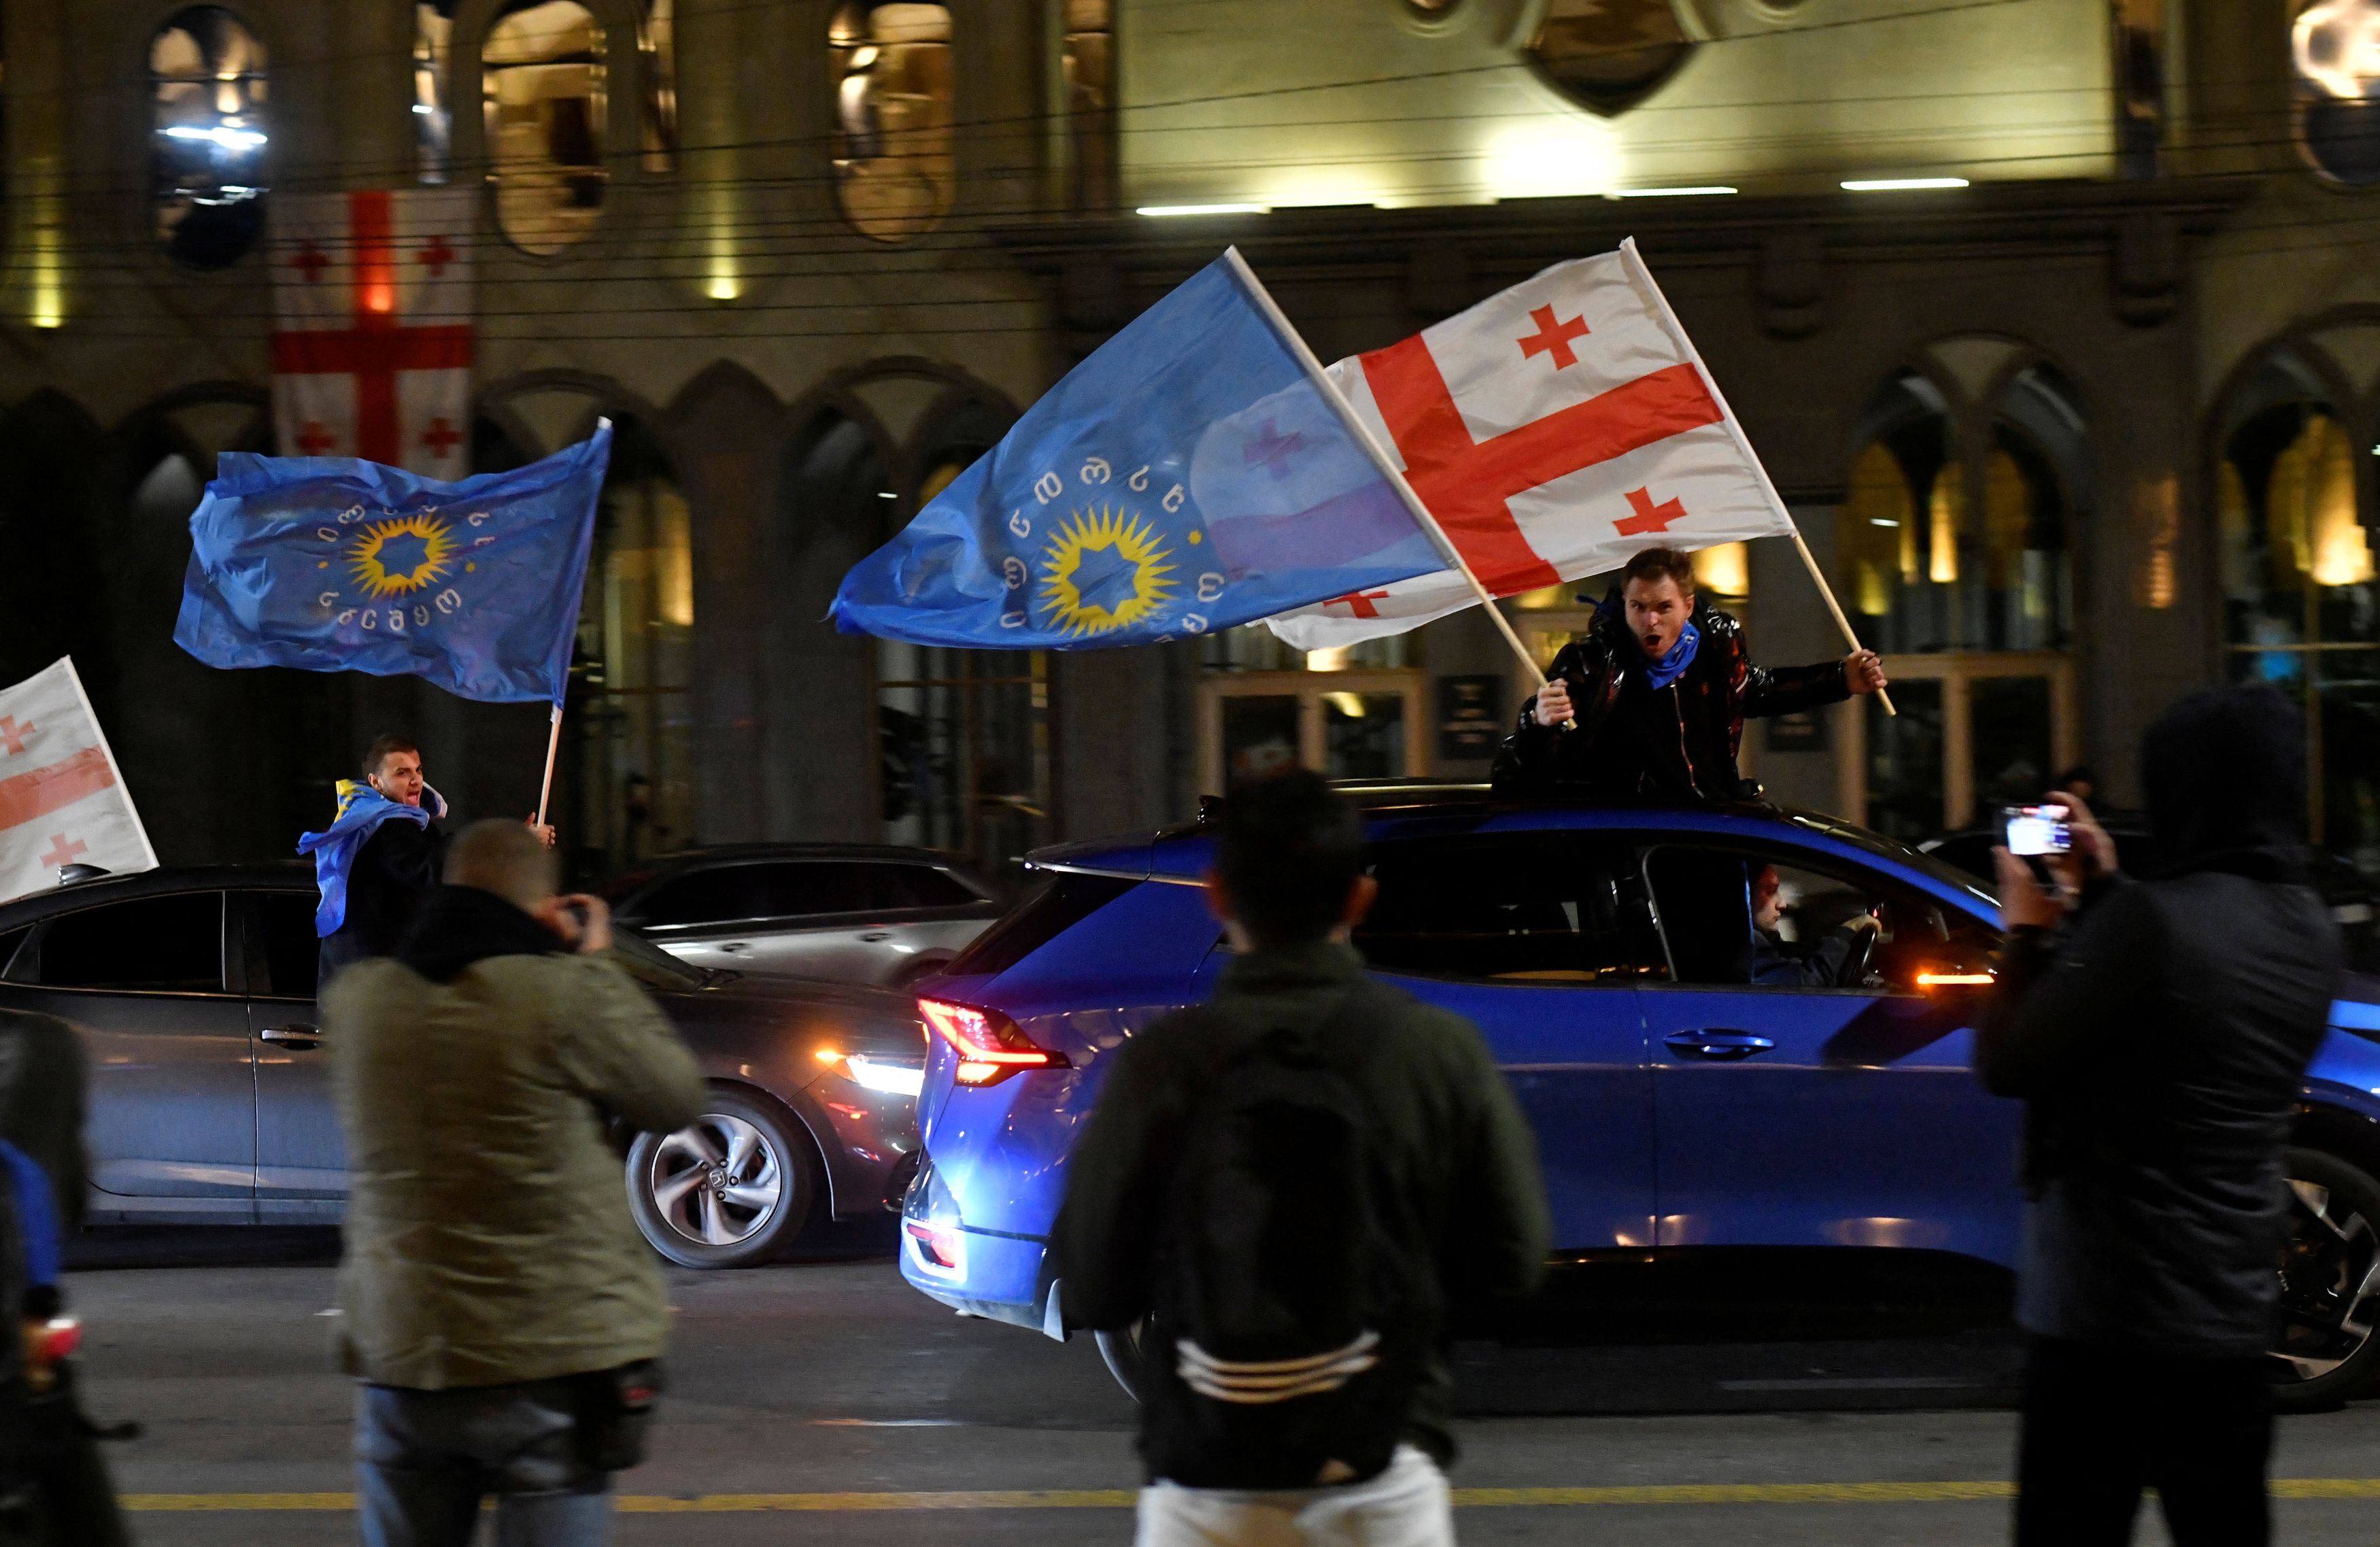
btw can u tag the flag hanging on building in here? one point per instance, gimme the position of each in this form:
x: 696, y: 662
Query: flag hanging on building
x: 1553, y: 430
x: 1190, y: 475
x: 330, y: 565
x: 372, y: 343
x: 62, y: 797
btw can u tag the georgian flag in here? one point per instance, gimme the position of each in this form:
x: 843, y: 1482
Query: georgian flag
x: 1553, y: 430
x: 62, y: 798
x: 373, y: 340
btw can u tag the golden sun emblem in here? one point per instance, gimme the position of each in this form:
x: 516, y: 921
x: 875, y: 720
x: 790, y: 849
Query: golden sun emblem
x: 1102, y: 570
x: 418, y: 547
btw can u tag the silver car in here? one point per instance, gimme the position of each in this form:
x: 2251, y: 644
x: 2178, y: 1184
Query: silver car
x: 850, y: 912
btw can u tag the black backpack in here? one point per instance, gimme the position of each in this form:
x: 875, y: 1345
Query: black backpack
x: 1289, y: 1326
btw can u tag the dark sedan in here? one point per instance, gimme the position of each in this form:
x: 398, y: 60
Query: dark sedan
x: 193, y: 990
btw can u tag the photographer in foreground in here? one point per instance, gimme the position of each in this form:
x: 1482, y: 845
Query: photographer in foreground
x: 2158, y: 1030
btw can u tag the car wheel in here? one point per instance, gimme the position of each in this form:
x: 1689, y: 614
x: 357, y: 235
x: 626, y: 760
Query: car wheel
x: 1126, y: 1356
x: 730, y: 1190
x: 2325, y: 1352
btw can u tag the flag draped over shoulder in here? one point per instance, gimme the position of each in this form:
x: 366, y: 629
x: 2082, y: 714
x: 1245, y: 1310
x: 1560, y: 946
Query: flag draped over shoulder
x: 1553, y: 430
x: 62, y: 798
x: 361, y: 811
x: 329, y: 564
x: 1190, y: 475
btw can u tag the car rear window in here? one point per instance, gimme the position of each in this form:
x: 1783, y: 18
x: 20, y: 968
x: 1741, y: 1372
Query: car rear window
x: 150, y: 944
x: 920, y: 886
x: 1052, y: 910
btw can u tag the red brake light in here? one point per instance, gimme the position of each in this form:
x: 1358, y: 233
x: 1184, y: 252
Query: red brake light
x: 989, y: 1047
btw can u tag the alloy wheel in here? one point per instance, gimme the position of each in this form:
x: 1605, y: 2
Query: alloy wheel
x: 718, y: 1182
x: 2330, y: 1281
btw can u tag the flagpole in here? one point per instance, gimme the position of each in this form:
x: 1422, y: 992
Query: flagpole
x: 1363, y: 433
x: 1636, y: 270
x: 553, y: 746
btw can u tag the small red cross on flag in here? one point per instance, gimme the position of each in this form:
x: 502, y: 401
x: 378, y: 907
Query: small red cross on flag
x: 1523, y: 467
x: 62, y: 852
x: 373, y: 349
x: 1358, y: 603
x: 12, y: 735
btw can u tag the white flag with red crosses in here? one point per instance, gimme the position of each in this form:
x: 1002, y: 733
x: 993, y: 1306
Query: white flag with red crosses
x: 62, y: 800
x: 1553, y: 430
x: 372, y: 343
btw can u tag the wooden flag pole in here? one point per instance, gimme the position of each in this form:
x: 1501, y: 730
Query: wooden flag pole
x: 1636, y: 270
x: 553, y: 747
x: 1396, y: 475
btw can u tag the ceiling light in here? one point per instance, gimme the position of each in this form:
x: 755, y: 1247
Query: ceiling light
x: 1890, y: 185
x: 1667, y: 192
x: 1163, y: 211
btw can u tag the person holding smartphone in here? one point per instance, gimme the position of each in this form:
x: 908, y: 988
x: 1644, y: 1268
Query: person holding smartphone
x: 2156, y: 1031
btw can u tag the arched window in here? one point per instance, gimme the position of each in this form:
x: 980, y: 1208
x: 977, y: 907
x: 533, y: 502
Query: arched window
x: 894, y: 166
x: 2300, y: 596
x: 657, y: 83
x: 1607, y: 55
x: 434, y: 111
x: 635, y: 660
x: 206, y: 92
x: 2335, y: 77
x: 1948, y: 552
x: 541, y: 77
x: 1089, y: 64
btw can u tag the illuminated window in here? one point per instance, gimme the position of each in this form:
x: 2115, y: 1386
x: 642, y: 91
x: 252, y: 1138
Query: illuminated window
x: 1089, y: 64
x: 634, y: 724
x: 657, y: 84
x: 542, y: 76
x: 893, y: 163
x: 433, y: 110
x: 1609, y: 55
x: 206, y: 74
x: 1922, y: 569
x: 2335, y: 76
x: 2301, y: 597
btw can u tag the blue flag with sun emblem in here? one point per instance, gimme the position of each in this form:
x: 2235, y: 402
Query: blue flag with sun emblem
x: 1188, y: 476
x: 334, y: 565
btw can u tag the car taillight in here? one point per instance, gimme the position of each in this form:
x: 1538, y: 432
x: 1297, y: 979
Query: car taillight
x: 937, y: 1249
x: 989, y: 1047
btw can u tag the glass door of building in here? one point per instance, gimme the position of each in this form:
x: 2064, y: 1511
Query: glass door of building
x: 1349, y: 724
x: 1975, y: 732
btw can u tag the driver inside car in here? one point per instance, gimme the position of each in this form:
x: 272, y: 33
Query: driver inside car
x: 1836, y: 960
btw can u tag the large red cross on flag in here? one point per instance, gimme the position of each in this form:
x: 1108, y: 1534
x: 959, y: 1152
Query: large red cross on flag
x: 371, y: 350
x: 62, y: 800
x: 1552, y: 430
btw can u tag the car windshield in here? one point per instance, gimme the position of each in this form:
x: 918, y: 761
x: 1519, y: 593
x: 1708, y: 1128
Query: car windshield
x: 655, y: 968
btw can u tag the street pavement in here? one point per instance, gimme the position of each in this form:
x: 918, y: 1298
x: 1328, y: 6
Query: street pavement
x: 822, y: 1400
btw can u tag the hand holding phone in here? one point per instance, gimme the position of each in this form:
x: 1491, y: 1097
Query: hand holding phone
x: 2037, y: 831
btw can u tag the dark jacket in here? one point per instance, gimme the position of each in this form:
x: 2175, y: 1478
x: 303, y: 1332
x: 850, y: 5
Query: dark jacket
x: 2158, y: 1039
x: 1678, y: 740
x: 397, y: 868
x: 481, y: 1052
x: 1464, y: 1156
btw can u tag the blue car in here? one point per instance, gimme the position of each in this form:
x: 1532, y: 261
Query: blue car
x: 1731, y: 1026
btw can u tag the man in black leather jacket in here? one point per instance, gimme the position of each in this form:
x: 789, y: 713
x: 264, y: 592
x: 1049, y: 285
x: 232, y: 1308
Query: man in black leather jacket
x: 1659, y: 690
x: 2159, y: 1036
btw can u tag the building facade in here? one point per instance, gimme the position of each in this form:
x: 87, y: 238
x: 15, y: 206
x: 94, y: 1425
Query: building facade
x: 2080, y: 425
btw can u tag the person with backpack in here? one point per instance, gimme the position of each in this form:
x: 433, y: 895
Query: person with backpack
x: 1294, y: 1184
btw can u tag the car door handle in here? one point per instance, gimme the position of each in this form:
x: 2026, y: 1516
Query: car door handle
x: 871, y: 936
x: 1718, y: 1042
x: 299, y: 1036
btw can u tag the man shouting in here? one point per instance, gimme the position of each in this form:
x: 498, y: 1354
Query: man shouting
x: 1659, y: 691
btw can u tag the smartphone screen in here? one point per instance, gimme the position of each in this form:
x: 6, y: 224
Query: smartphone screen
x: 2038, y: 830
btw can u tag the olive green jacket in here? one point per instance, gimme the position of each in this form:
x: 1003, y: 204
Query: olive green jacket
x: 488, y: 1237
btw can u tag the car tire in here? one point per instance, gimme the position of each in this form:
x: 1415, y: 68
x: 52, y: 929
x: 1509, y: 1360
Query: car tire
x: 1126, y: 1356
x: 2327, y: 1351
x: 729, y: 1191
